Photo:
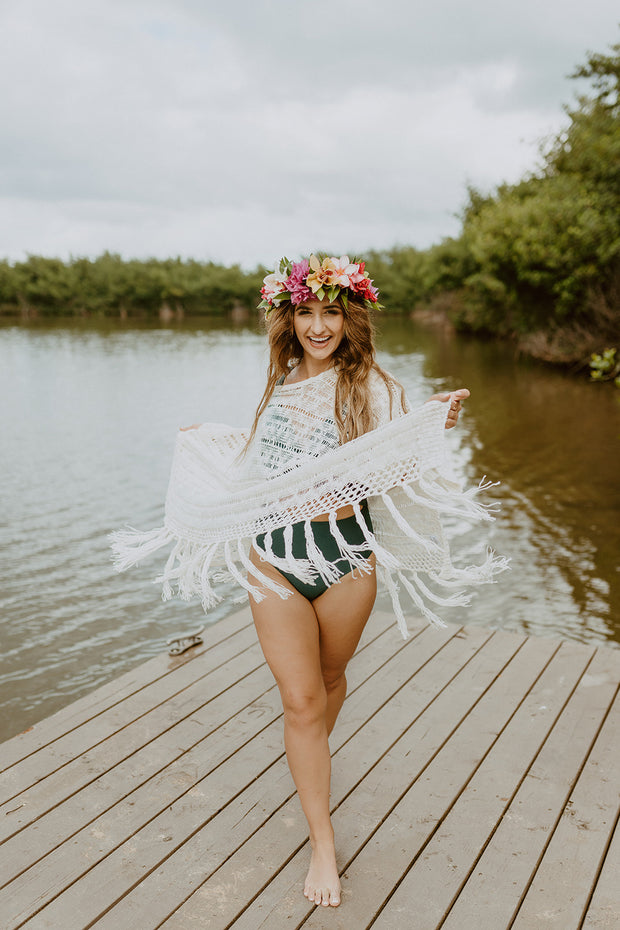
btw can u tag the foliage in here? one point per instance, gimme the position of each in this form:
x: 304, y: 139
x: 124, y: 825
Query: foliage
x: 543, y: 248
x: 605, y: 367
x: 108, y: 285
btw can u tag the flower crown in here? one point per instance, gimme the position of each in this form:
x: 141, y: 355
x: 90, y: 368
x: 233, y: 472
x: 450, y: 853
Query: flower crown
x: 311, y: 278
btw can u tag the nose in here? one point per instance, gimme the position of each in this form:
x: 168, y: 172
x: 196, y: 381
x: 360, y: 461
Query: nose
x: 317, y: 324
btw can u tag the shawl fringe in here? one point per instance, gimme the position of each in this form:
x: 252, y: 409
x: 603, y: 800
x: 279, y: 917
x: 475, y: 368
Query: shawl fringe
x: 212, y: 541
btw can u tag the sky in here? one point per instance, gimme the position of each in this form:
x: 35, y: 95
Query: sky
x: 244, y: 130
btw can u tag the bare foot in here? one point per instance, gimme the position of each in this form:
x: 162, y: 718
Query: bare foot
x: 322, y: 884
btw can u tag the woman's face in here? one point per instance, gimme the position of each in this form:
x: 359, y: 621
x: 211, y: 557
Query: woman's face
x: 319, y: 327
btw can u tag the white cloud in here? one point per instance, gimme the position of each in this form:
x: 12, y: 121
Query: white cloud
x: 244, y: 130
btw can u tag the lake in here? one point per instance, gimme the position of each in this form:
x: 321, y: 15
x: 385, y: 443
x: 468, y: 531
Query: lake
x: 89, y: 416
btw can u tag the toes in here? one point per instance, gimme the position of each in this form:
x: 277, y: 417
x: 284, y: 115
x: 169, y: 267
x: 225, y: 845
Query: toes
x: 325, y: 897
x: 334, y: 899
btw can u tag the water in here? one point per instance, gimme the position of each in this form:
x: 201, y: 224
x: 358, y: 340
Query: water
x: 88, y: 422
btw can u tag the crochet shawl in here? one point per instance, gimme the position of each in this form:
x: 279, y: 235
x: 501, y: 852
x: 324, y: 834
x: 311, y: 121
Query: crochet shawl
x: 220, y: 498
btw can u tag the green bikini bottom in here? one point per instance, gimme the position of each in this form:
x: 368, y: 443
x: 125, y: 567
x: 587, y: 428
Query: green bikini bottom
x: 350, y: 529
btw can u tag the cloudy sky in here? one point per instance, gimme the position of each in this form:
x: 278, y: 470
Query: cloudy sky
x: 240, y: 130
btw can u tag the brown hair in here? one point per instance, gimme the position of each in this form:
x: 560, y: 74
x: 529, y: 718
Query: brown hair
x: 354, y: 359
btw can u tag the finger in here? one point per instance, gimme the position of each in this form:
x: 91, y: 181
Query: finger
x: 462, y: 393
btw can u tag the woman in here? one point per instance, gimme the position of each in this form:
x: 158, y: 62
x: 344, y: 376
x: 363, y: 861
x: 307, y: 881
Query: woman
x: 337, y: 480
x: 309, y: 638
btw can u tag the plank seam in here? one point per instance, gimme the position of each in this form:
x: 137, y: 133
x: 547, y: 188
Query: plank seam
x: 386, y: 631
x: 146, y: 823
x: 285, y: 801
x: 529, y: 883
x: 185, y: 660
x: 300, y: 846
x: 124, y: 758
x: 130, y: 722
x: 439, y: 749
x: 517, y: 789
x: 601, y: 868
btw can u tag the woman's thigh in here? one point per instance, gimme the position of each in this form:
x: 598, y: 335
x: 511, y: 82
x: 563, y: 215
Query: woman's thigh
x: 342, y: 613
x: 288, y: 632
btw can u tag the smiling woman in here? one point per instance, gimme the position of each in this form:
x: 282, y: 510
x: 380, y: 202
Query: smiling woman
x: 338, y: 478
x: 319, y: 327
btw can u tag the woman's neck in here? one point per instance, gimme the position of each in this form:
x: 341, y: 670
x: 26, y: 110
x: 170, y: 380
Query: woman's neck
x: 310, y: 368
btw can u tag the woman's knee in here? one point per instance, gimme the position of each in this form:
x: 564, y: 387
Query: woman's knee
x: 334, y: 680
x: 304, y: 707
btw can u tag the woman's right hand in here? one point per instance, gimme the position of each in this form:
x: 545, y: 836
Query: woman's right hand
x: 193, y: 426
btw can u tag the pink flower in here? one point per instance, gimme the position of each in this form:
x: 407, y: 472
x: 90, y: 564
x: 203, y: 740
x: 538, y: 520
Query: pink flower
x: 296, y: 282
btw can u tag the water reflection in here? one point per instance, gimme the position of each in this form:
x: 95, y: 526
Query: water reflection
x: 554, y: 441
x: 87, y: 440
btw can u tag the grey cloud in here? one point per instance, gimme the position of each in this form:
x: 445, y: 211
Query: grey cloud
x: 201, y: 127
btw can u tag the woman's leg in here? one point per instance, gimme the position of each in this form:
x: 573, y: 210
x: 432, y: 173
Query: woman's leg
x: 307, y: 656
x: 342, y: 613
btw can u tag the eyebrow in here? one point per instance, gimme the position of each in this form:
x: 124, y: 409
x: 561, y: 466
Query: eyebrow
x: 304, y: 306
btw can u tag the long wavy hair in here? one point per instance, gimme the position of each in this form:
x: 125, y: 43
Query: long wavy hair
x: 354, y: 359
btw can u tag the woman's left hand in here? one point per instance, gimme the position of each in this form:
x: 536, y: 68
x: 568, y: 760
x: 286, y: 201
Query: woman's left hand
x: 455, y: 398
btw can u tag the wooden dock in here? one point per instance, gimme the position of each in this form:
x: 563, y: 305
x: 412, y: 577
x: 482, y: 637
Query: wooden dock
x: 476, y: 781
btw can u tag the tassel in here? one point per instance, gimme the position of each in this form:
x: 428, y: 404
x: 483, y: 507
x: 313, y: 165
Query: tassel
x: 386, y: 577
x: 167, y: 574
x: 208, y: 595
x: 384, y: 557
x: 256, y: 593
x: 328, y: 572
x: 253, y: 570
x: 442, y: 508
x: 349, y: 551
x: 466, y: 506
x: 417, y: 600
x: 400, y: 521
x: 301, y: 568
x: 130, y: 546
x: 452, y: 600
x: 475, y: 574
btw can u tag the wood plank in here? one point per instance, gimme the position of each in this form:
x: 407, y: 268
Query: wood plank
x: 151, y: 901
x: 107, y: 695
x: 439, y: 873
x: 394, y: 810
x: 92, y: 733
x: 460, y: 763
x: 604, y: 907
x: 496, y: 883
x: 262, y: 870
x: 45, y: 881
x: 125, y: 779
x: 560, y: 892
x: 162, y: 766
x: 159, y: 722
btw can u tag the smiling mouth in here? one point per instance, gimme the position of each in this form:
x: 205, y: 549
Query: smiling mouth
x: 319, y: 342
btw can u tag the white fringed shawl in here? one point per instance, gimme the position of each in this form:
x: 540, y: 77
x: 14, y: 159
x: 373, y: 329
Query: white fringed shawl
x: 218, y: 501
